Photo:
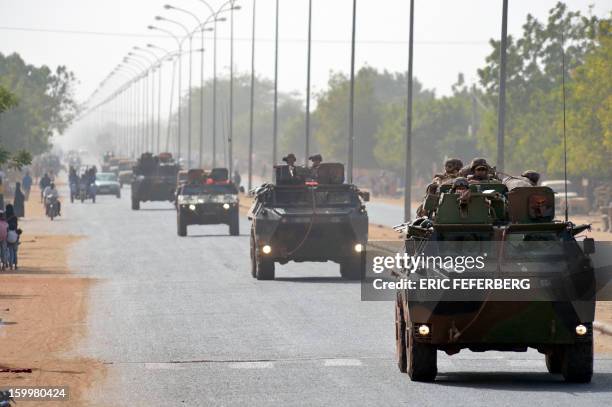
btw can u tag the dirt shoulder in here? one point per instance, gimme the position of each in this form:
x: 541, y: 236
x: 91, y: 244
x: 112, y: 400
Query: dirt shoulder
x: 43, y: 309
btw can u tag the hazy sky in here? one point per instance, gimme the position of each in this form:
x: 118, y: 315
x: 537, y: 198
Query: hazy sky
x: 451, y: 36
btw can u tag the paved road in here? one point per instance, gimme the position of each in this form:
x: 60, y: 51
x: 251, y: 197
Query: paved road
x: 181, y: 322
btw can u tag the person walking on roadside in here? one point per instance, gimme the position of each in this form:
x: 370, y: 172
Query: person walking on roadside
x: 18, y: 201
x: 13, y: 235
x: 3, y: 245
x: 26, y: 182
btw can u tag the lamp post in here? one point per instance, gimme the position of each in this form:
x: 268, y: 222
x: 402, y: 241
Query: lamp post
x: 150, y: 131
x: 275, y: 124
x: 408, y: 165
x: 252, y: 99
x: 144, y: 90
x: 351, y: 134
x: 180, y: 58
x: 501, y: 115
x: 156, y: 66
x: 307, y: 135
x: 159, y: 98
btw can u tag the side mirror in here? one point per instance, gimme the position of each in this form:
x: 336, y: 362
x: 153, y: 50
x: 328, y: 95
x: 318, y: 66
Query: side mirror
x: 365, y: 196
x: 588, y: 245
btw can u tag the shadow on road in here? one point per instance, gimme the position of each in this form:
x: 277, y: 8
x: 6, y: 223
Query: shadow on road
x: 326, y: 280
x: 524, y: 381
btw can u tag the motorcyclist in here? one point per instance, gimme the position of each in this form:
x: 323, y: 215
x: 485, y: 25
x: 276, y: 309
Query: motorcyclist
x: 73, y: 180
x: 49, y: 194
x: 44, y: 183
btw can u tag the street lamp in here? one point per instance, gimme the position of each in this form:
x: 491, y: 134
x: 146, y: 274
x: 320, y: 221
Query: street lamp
x: 275, y: 124
x: 180, y: 53
x: 156, y: 65
x: 308, y: 82
x: 250, y: 158
x: 151, y: 70
x: 351, y: 134
x: 230, y: 136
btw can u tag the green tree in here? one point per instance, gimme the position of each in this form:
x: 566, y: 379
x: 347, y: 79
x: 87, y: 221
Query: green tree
x: 7, y: 99
x: 46, y: 105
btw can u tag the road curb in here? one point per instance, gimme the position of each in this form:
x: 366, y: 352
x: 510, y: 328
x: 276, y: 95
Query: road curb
x: 603, y: 328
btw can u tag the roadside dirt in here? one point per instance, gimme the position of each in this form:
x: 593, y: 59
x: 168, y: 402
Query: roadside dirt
x: 43, y: 309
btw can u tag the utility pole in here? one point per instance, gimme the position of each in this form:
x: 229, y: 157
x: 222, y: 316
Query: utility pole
x: 501, y: 120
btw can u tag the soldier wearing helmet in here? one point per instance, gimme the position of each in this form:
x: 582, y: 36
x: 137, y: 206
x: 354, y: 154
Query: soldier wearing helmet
x: 479, y: 170
x: 451, y: 171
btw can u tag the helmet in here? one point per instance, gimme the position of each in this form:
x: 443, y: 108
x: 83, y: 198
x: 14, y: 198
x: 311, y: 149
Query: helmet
x: 460, y: 182
x: 479, y: 162
x: 454, y: 163
x: 532, y: 176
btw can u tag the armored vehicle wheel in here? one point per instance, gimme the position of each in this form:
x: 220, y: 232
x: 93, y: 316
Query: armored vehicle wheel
x: 135, y: 204
x: 577, y: 364
x: 234, y: 227
x: 181, y: 226
x: 400, y: 339
x: 264, y: 268
x: 422, y: 360
x: 353, y: 268
x: 253, y: 259
x: 554, y: 361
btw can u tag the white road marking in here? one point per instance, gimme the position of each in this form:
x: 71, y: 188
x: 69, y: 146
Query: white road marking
x: 251, y: 365
x: 342, y: 362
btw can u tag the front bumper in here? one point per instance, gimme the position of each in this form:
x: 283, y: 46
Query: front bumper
x: 208, y: 213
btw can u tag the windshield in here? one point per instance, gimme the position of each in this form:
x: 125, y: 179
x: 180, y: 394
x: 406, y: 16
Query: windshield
x: 303, y: 197
x: 106, y: 176
x: 200, y: 189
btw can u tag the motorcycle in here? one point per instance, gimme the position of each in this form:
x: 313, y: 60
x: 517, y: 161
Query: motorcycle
x: 87, y: 191
x: 52, y: 207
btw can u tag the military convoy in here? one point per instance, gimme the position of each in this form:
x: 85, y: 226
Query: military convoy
x: 154, y: 179
x: 206, y: 198
x: 304, y: 218
x: 514, y: 222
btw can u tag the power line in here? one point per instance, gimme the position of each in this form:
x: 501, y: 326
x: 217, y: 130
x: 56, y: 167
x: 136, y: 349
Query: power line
x: 286, y: 40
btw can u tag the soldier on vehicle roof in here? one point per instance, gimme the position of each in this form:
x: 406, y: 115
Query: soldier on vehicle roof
x: 452, y: 166
x: 532, y: 176
x: 316, y: 162
x: 479, y: 170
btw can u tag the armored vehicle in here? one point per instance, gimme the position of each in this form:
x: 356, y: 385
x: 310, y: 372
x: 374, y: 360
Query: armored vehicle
x: 513, y: 228
x: 204, y: 200
x: 299, y: 218
x: 154, y: 179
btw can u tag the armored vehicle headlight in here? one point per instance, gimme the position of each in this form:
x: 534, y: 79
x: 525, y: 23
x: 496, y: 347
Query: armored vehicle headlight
x: 358, y: 247
x: 266, y: 249
x: 423, y: 330
x: 192, y: 207
x: 226, y: 206
x: 581, y: 330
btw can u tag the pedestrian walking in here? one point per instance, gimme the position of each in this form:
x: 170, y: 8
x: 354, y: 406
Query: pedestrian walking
x: 26, y: 182
x: 3, y: 243
x: 18, y: 201
x: 12, y: 237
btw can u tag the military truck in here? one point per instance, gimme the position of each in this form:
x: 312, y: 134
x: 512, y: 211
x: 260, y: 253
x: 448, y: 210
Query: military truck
x: 207, y: 198
x: 298, y: 218
x: 154, y: 179
x: 515, y: 226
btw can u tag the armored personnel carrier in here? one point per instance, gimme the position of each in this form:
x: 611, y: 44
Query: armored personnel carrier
x: 513, y: 227
x: 207, y: 198
x: 154, y: 179
x: 300, y: 218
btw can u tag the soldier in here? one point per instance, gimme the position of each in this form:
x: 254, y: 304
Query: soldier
x: 532, y: 176
x: 461, y: 186
x: 479, y: 170
x: 452, y: 166
x: 316, y: 162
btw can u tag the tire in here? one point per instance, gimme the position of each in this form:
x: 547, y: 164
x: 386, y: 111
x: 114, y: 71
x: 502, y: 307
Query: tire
x: 253, y: 258
x: 234, y: 226
x: 554, y: 361
x: 181, y: 226
x: 135, y: 204
x: 400, y: 338
x: 265, y: 268
x: 577, y: 366
x: 353, y: 268
x: 422, y: 360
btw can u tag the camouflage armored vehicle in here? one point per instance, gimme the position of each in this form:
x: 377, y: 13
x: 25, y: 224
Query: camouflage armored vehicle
x: 154, y: 179
x: 207, y: 199
x: 302, y: 219
x: 513, y: 226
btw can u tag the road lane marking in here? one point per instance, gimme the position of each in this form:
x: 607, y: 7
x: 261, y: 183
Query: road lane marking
x: 251, y: 365
x: 342, y: 362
